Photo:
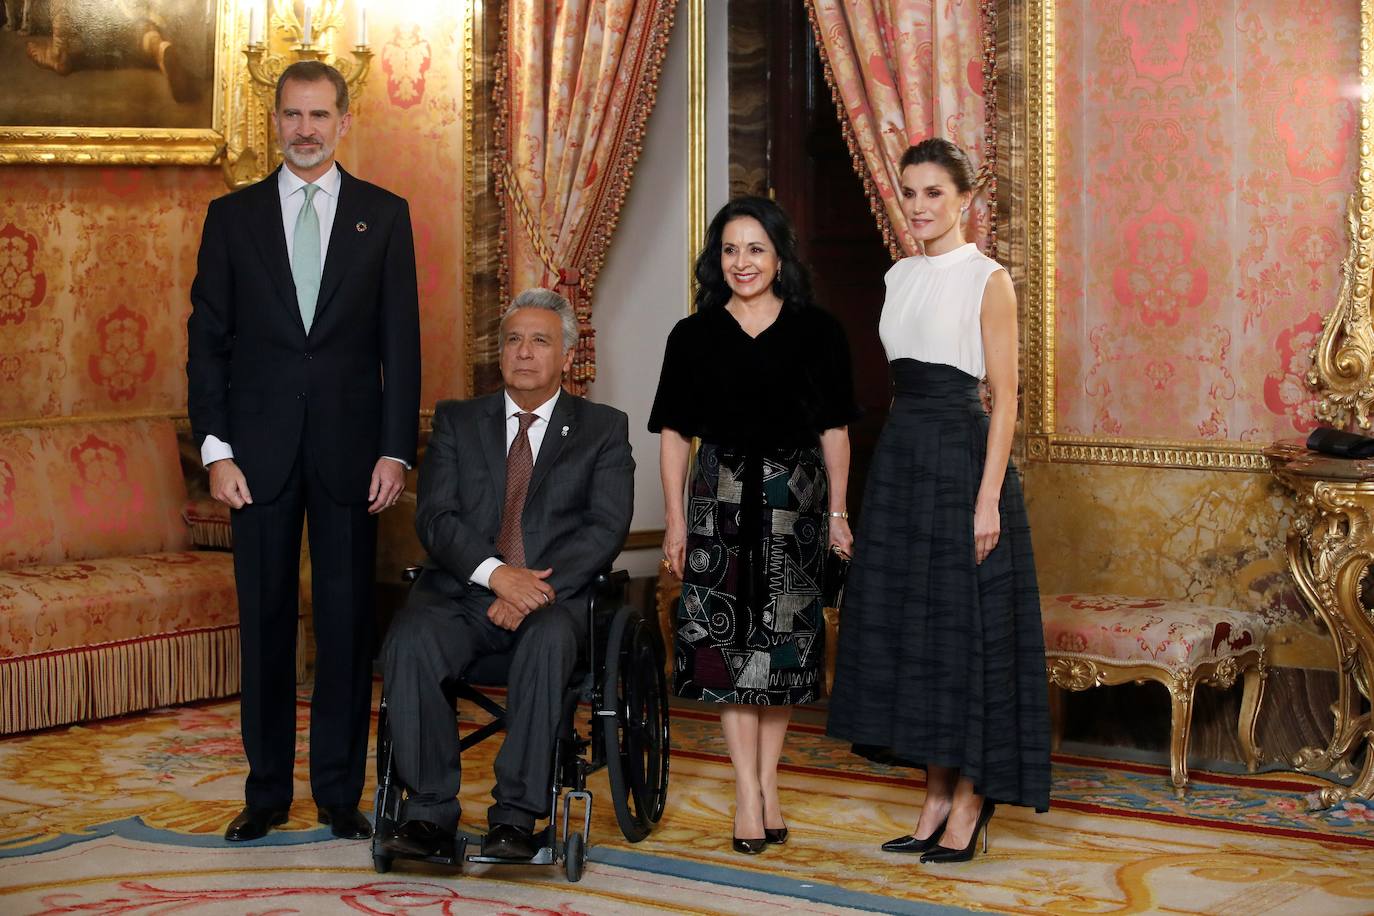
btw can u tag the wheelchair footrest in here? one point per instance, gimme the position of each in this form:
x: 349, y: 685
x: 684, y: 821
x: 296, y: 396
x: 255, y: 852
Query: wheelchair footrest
x: 381, y: 850
x: 544, y: 856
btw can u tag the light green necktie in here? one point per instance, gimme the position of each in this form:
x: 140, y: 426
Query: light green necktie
x: 305, y: 257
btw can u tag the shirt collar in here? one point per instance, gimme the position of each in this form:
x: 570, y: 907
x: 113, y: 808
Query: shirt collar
x: 543, y: 411
x: 288, y: 182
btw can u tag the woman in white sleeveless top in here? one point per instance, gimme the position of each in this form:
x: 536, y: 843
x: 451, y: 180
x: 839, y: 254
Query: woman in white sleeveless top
x: 941, y: 660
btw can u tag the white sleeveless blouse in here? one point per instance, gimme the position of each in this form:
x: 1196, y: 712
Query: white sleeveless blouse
x: 934, y: 307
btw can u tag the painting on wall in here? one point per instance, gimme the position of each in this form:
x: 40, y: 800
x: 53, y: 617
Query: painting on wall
x: 130, y: 81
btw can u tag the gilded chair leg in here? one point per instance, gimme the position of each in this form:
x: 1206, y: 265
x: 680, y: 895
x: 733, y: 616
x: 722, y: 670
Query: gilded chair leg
x: 1056, y: 716
x: 1251, y: 698
x: 1181, y: 721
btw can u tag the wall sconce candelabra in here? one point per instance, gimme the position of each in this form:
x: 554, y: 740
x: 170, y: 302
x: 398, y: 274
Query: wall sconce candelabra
x: 280, y: 33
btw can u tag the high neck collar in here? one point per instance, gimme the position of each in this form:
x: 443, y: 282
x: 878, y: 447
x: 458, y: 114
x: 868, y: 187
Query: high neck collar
x: 951, y: 257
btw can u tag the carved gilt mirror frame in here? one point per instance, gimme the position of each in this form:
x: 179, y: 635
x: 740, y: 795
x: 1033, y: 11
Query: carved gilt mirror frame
x: 1342, y: 375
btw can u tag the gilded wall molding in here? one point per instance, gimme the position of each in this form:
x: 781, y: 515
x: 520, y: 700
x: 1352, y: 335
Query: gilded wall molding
x: 1344, y: 360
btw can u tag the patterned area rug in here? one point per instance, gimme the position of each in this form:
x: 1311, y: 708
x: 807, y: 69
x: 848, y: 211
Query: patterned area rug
x: 125, y: 816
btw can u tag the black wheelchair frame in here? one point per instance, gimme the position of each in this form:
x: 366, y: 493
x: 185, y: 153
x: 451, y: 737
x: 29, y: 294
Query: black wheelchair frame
x: 622, y: 680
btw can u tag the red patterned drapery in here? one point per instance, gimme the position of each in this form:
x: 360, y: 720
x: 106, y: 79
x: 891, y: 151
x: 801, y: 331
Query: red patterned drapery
x: 576, y: 80
x: 904, y: 70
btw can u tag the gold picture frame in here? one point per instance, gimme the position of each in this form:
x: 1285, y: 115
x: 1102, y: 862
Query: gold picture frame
x: 68, y: 144
x: 1043, y: 441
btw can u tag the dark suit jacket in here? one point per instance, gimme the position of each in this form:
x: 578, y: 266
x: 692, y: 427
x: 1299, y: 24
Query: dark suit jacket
x: 577, y: 508
x: 351, y: 388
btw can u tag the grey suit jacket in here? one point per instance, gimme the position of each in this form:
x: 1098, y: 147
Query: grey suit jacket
x: 577, y: 509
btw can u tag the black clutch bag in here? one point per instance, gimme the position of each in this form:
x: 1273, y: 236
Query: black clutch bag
x: 1339, y: 443
x: 836, y: 572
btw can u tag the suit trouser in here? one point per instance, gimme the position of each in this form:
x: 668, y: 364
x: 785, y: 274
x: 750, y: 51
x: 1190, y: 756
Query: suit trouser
x: 435, y: 639
x: 267, y: 547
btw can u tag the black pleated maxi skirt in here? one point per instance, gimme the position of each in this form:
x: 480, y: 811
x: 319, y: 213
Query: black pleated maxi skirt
x: 941, y: 661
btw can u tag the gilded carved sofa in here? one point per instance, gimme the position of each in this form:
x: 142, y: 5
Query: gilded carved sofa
x: 105, y: 606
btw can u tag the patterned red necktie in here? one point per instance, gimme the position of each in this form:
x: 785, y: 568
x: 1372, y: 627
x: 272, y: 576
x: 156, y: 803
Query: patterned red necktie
x: 510, y: 542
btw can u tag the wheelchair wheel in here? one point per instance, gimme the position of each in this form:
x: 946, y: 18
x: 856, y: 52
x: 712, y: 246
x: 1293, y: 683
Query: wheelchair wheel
x: 574, y: 856
x: 637, y: 747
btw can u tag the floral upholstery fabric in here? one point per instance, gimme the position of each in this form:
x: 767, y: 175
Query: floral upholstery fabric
x: 1155, y: 631
x: 51, y: 608
x: 88, y: 490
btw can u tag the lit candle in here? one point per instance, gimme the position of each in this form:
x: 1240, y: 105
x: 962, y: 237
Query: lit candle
x: 362, y: 22
x: 305, y: 25
x: 254, y: 27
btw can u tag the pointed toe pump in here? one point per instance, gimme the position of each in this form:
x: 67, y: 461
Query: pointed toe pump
x: 750, y: 846
x: 945, y: 854
x: 775, y: 837
x: 909, y: 844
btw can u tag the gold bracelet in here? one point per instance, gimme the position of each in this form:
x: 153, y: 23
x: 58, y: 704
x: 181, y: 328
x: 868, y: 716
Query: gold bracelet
x: 839, y: 515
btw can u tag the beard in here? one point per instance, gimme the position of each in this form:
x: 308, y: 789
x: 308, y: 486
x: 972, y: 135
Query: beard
x: 306, y: 158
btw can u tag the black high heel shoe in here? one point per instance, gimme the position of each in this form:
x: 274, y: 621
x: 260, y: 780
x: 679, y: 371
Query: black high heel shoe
x: 945, y: 854
x: 775, y: 837
x: 750, y: 846
x: 910, y: 844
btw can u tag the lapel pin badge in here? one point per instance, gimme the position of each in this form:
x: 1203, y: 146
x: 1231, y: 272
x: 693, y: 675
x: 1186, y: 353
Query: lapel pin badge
x: 565, y: 432
x: 361, y: 226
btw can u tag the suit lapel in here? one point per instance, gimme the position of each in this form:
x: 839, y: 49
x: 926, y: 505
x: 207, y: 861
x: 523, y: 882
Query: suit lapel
x: 492, y: 432
x: 554, y: 439
x: 271, y: 242
x: 344, y: 238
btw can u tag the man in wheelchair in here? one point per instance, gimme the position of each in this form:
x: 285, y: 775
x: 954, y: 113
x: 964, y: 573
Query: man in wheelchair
x: 524, y: 497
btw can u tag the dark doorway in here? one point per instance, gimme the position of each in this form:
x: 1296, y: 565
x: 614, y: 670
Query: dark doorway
x: 786, y: 142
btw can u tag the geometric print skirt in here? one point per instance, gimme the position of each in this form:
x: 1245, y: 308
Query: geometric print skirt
x: 749, y: 625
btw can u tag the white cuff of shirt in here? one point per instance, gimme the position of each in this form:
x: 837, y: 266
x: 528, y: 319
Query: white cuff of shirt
x: 214, y: 449
x: 482, y: 574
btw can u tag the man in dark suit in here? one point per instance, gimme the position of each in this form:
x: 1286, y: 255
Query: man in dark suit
x: 525, y: 496
x: 304, y: 389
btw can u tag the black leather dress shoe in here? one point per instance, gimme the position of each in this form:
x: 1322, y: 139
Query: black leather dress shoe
x: 253, y: 823
x: 421, y: 839
x: 507, y: 841
x: 346, y: 822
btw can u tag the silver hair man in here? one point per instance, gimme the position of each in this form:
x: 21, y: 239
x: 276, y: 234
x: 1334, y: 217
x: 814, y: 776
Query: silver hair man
x: 549, y: 301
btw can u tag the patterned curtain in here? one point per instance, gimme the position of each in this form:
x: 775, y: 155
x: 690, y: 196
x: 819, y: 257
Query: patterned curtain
x: 576, y: 80
x: 905, y: 70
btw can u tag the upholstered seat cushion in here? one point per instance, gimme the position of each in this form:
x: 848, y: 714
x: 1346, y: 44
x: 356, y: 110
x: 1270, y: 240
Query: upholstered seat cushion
x: 1147, y: 631
x: 88, y: 603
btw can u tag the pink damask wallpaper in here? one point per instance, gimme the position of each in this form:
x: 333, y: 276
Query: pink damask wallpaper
x: 1206, y: 149
x: 96, y: 263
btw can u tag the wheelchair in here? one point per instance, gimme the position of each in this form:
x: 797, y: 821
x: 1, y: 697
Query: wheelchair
x: 621, y: 678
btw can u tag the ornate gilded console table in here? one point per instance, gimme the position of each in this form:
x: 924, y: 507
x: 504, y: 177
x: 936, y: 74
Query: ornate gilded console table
x: 1330, y: 550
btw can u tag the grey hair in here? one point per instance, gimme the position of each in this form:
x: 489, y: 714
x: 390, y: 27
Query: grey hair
x: 549, y: 301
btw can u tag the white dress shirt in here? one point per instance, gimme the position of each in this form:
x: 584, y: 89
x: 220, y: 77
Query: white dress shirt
x: 482, y: 574
x: 291, y: 188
